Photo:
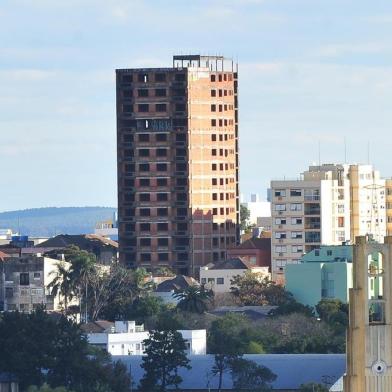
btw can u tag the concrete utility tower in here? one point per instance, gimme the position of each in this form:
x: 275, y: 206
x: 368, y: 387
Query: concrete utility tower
x: 369, y: 337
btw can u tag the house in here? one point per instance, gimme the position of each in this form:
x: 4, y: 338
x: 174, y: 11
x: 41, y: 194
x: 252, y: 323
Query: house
x: 168, y: 287
x: 255, y: 251
x: 103, y: 248
x: 327, y: 272
x: 251, y: 312
x: 291, y: 370
x: 24, y: 281
x: 8, y: 382
x: 218, y: 276
x: 126, y: 338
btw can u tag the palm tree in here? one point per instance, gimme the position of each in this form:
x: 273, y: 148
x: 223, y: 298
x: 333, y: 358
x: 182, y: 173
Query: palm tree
x: 193, y: 299
x: 62, y: 283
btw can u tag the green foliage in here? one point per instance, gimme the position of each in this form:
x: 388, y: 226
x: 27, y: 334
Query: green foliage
x: 334, y: 313
x: 36, y: 341
x: 248, y: 375
x: 164, y: 271
x: 313, y: 387
x: 194, y: 299
x: 255, y: 348
x: 244, y: 217
x: 298, y: 333
x: 165, y: 352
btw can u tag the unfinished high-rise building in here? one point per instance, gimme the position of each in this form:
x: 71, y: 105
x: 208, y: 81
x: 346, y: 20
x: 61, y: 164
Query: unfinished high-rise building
x: 177, y: 145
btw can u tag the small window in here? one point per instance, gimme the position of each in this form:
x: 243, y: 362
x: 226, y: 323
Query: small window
x: 180, y: 107
x: 161, y: 167
x: 144, y: 137
x: 162, y: 226
x: 161, y: 152
x: 163, y: 242
x: 180, y: 77
x: 160, y: 107
x: 213, y: 108
x: 295, y: 192
x: 144, y: 182
x: 160, y: 92
x: 162, y: 211
x: 213, y: 138
x: 144, y: 152
x: 213, y: 78
x: 280, y: 192
x: 145, y: 212
x: 213, y: 123
x: 127, y: 108
x: 143, y: 257
x: 160, y: 77
x: 144, y: 197
x: 220, y: 280
x: 142, y: 108
x: 37, y: 275
x: 143, y: 92
x: 127, y: 78
x: 163, y: 256
x: 24, y: 279
x: 161, y: 137
x: 162, y: 196
x: 144, y: 227
x: 145, y: 241
x: 213, y: 93
x: 161, y: 181
x: 144, y: 167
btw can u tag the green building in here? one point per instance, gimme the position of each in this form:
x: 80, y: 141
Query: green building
x: 322, y: 273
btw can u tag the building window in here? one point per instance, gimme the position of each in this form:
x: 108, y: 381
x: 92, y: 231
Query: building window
x: 280, y: 192
x: 144, y: 197
x: 162, y: 196
x: 145, y: 257
x: 144, y: 137
x: 160, y: 77
x: 329, y: 252
x: 280, y: 221
x: 145, y: 241
x: 296, y: 221
x: 160, y: 107
x: 162, y: 227
x: 24, y: 279
x: 161, y: 137
x: 213, y: 108
x: 162, y: 211
x: 144, y: 182
x: 296, y: 207
x: 280, y: 234
x: 161, y: 167
x: 9, y: 292
x: 163, y: 256
x: 280, y: 249
x: 145, y: 212
x: 144, y: 152
x: 297, y: 249
x: 143, y: 108
x: 280, y: 207
x: 144, y: 227
x: 220, y: 281
x: 143, y: 92
x: 142, y: 78
x: 213, y: 93
x: 161, y: 152
x: 163, y: 241
x: 295, y: 192
x: 296, y: 234
x: 144, y: 167
x: 161, y: 181
x: 160, y: 92
x: 37, y: 275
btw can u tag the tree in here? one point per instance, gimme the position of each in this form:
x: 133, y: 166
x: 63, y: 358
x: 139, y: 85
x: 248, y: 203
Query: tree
x: 194, y: 299
x: 313, y: 387
x: 249, y: 288
x: 39, y: 348
x: 165, y: 353
x: 334, y: 312
x: 244, y: 217
x: 47, y: 388
x: 248, y: 375
x: 228, y: 339
x: 62, y: 284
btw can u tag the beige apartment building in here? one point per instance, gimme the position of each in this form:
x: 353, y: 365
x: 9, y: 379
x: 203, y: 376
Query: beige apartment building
x: 328, y: 205
x: 177, y: 140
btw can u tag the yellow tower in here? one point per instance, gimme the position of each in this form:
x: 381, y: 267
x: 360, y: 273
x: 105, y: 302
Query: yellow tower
x: 369, y: 337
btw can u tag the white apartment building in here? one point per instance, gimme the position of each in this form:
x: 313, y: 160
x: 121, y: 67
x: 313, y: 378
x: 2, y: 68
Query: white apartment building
x: 327, y: 205
x: 126, y: 338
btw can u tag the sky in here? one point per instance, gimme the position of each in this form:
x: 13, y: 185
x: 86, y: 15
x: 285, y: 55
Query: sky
x: 314, y: 76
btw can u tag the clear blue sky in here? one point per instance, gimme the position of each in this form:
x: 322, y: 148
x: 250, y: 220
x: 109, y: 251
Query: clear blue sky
x: 310, y: 71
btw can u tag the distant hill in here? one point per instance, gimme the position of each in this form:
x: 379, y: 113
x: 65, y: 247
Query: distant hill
x: 47, y: 222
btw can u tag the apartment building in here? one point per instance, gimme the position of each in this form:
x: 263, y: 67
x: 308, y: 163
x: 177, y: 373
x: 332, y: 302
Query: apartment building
x: 24, y: 281
x: 308, y: 212
x: 329, y: 204
x: 177, y: 140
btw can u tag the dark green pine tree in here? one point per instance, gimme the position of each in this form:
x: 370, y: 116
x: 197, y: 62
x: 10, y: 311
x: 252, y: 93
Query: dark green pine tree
x: 165, y: 354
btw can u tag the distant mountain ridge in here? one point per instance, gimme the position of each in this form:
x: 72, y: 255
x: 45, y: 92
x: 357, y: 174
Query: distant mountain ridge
x: 50, y: 221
